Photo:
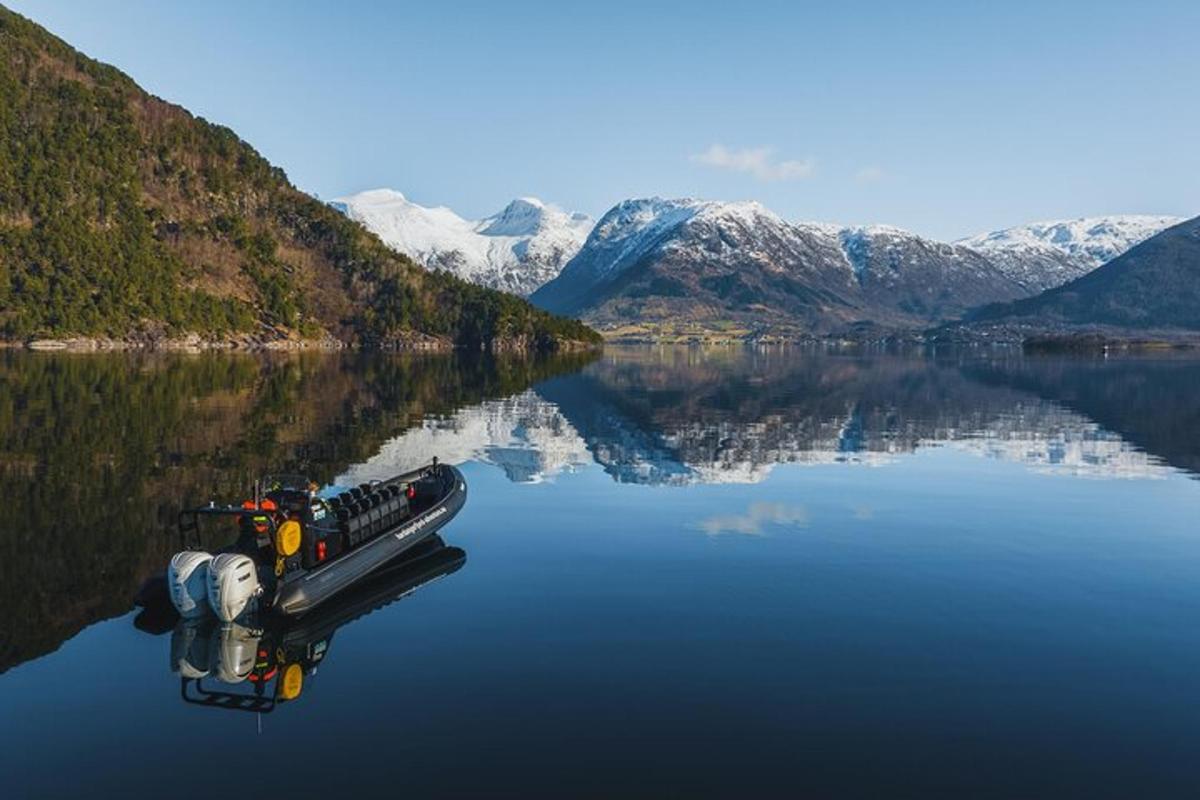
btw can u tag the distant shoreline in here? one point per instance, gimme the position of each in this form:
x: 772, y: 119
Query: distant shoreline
x: 1031, y: 339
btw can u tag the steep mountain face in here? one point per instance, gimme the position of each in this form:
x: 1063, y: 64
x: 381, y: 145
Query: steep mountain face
x: 714, y: 263
x: 1154, y: 285
x: 516, y: 250
x: 124, y: 216
x: 1087, y: 242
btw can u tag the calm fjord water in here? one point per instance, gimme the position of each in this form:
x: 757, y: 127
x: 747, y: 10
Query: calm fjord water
x: 702, y: 572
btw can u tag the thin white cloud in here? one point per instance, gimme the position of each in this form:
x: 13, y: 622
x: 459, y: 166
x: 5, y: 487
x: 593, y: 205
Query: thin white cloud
x: 870, y: 174
x: 756, y: 161
x: 755, y: 519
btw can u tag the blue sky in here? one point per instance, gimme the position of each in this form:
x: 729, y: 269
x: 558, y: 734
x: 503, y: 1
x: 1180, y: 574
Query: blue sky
x: 948, y: 118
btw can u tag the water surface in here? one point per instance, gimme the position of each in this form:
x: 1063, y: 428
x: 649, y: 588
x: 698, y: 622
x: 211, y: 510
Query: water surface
x: 704, y: 572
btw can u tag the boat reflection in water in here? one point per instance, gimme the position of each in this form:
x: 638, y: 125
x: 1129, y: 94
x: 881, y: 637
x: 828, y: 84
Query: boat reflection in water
x: 254, y: 665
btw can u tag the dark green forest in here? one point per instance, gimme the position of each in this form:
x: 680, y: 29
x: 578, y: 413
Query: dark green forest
x: 122, y: 215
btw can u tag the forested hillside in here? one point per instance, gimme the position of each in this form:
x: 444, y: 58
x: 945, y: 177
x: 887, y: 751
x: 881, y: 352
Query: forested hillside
x: 124, y: 216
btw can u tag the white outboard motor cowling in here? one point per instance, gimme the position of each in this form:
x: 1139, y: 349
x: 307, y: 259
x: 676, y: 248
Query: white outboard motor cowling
x: 187, y: 583
x: 232, y: 585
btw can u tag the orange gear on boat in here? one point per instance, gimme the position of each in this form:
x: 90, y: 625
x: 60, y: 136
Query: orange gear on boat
x: 260, y: 523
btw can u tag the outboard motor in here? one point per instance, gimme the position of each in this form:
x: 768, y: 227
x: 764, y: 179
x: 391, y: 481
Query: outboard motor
x: 236, y: 650
x: 187, y: 583
x: 232, y: 585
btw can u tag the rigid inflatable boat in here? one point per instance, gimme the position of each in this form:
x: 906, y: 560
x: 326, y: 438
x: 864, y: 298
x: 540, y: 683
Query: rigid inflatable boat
x: 299, y: 545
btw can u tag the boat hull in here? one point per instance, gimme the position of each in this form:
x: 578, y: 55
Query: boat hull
x: 304, y: 593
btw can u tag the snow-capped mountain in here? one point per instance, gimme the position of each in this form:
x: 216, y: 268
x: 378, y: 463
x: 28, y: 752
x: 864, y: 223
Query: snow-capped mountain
x: 688, y: 257
x: 669, y: 260
x: 517, y: 250
x: 1090, y: 241
x: 657, y: 260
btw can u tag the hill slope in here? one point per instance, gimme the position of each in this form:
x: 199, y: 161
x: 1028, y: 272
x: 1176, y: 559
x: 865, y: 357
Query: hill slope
x: 124, y: 216
x: 1155, y: 285
x: 517, y: 250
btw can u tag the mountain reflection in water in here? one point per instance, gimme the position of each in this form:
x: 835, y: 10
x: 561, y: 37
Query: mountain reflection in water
x: 683, y: 416
x: 118, y: 443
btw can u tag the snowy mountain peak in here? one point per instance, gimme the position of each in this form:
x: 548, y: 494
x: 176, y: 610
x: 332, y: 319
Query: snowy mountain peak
x: 516, y: 250
x: 521, y: 217
x: 642, y: 219
x: 744, y: 211
x: 1095, y: 240
x: 380, y: 196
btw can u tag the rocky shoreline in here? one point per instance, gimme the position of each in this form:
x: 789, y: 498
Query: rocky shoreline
x: 191, y: 343
x: 194, y: 343
x: 1030, y: 338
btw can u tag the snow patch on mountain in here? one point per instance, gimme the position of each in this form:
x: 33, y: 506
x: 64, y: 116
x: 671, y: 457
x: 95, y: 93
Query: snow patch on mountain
x: 1092, y: 240
x: 516, y: 250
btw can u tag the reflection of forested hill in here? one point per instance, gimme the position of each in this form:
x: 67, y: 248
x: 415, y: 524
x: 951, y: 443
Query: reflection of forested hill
x: 1153, y: 403
x: 98, y: 453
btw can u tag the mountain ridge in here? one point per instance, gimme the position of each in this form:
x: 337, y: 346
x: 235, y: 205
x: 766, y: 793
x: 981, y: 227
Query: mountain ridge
x: 737, y: 265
